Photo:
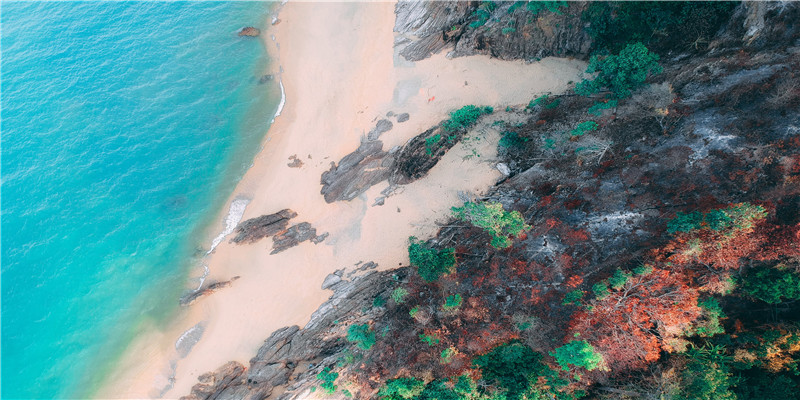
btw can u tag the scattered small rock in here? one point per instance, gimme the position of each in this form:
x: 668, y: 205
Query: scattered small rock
x: 249, y: 31
x: 390, y: 114
x: 331, y: 280
x: 295, y: 162
x: 403, y: 117
x: 382, y: 126
x: 503, y: 168
x: 365, y: 267
x: 379, y: 201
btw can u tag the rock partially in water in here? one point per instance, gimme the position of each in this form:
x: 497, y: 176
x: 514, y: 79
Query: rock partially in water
x: 249, y: 31
x: 255, y: 229
x: 205, y: 291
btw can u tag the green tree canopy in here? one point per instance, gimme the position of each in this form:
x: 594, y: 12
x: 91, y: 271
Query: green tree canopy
x: 621, y: 73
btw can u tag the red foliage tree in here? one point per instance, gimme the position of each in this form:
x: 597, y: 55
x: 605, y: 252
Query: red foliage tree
x: 632, y: 324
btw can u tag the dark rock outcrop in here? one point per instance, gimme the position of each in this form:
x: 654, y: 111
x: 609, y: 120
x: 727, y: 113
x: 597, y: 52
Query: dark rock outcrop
x: 403, y: 117
x: 758, y: 25
x: 370, y: 165
x: 422, y: 153
x: 382, y: 126
x: 190, y: 298
x: 295, y: 162
x: 509, y: 32
x: 356, y: 172
x: 249, y: 31
x: 276, y: 363
x: 293, y: 236
x: 255, y: 229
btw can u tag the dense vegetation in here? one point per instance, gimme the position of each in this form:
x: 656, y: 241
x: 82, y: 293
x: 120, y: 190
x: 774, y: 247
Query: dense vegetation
x: 661, y: 25
x: 534, y: 292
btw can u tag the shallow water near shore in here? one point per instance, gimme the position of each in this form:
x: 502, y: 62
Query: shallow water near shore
x: 125, y: 128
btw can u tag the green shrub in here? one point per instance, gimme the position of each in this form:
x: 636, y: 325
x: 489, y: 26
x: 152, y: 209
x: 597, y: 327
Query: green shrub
x: 518, y: 372
x: 538, y: 101
x: 578, y: 353
x: 491, y: 217
x: 621, y: 73
x: 685, y: 222
x: 362, y: 335
x: 401, y: 389
x: 430, y: 142
x: 597, y: 108
x: 413, y: 312
x: 465, y: 386
x: 399, y: 295
x: 572, y: 297
x: 452, y: 302
x: 662, y: 24
x: 430, y: 340
x: 644, y: 269
x: 600, y: 290
x: 327, y: 377
x: 619, y: 279
x: 447, y: 355
x: 465, y: 117
x: 510, y: 366
x: 378, y: 301
x: 431, y: 263
x: 553, y: 104
x: 483, y: 12
x: 508, y: 30
x: 512, y: 139
x: 772, y: 285
x: 742, y: 216
x: 553, y: 6
x: 584, y: 128
x: 708, y: 324
x: 706, y: 375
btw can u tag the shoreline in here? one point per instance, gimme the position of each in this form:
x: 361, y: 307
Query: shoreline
x: 337, y: 84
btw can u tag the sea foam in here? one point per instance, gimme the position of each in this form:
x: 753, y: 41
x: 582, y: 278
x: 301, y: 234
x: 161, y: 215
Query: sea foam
x: 235, y: 213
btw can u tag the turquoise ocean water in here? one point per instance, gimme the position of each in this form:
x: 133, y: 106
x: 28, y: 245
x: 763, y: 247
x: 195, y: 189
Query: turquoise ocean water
x: 125, y: 126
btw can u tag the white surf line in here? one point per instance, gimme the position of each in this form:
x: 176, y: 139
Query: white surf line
x: 235, y: 214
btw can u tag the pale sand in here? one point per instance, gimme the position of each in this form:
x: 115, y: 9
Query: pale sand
x: 340, y: 76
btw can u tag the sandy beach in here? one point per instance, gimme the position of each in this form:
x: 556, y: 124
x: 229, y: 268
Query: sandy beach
x: 340, y: 75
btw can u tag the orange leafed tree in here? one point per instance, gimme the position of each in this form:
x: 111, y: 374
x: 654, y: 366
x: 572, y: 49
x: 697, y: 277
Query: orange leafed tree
x: 637, y: 320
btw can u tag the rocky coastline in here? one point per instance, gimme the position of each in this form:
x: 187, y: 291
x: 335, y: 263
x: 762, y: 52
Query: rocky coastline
x: 591, y: 201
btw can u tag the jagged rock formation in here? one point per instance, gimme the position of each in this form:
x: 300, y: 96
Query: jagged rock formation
x: 274, y: 225
x: 356, y: 172
x: 255, y: 229
x: 509, y: 32
x: 370, y: 165
x: 206, y: 290
x: 293, y: 236
x: 276, y: 363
